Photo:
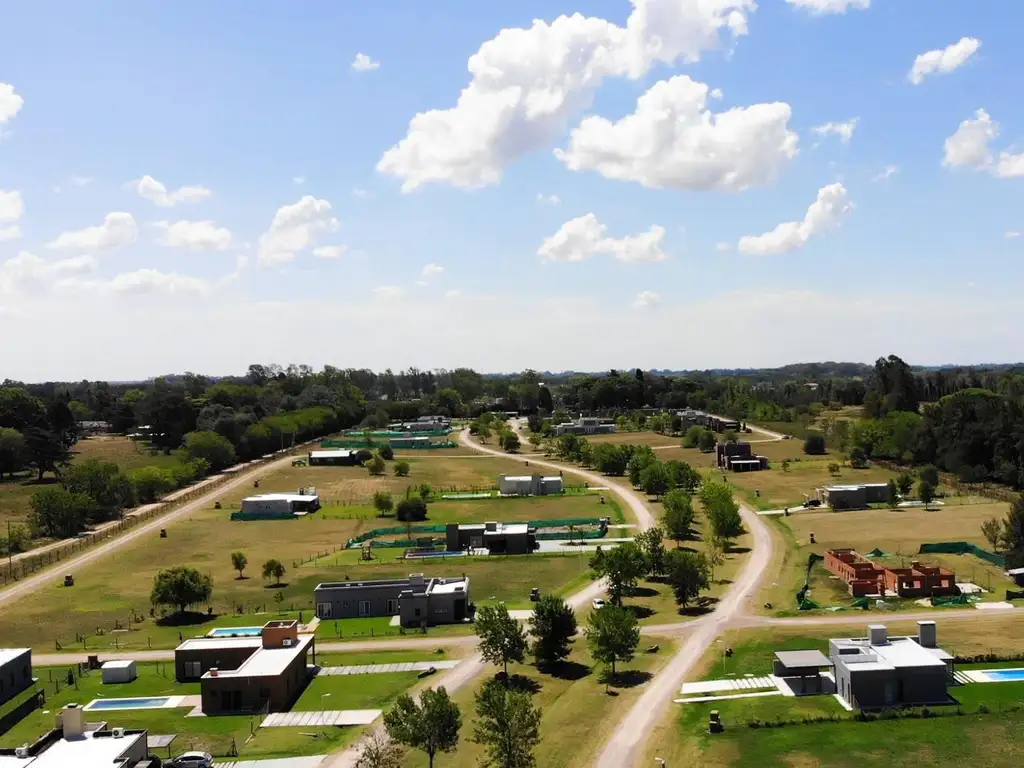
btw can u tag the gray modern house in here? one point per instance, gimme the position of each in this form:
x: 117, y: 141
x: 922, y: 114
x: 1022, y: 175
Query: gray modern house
x: 496, y: 538
x: 15, y: 672
x: 878, y: 671
x: 416, y: 600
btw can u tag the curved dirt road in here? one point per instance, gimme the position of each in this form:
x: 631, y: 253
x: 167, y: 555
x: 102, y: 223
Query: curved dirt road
x: 23, y: 587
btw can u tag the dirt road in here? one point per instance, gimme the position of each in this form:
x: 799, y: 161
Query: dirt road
x: 25, y: 586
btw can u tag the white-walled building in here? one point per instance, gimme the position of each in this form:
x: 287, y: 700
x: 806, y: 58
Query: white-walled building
x: 529, y: 485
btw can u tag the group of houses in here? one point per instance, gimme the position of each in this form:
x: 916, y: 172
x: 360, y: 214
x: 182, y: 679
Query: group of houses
x: 423, y: 424
x: 694, y: 418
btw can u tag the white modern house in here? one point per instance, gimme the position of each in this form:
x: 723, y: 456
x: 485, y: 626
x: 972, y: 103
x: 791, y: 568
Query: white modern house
x: 585, y: 425
x: 281, y: 504
x: 529, y: 485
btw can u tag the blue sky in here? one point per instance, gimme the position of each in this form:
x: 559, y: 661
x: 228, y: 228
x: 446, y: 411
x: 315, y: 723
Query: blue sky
x: 259, y: 106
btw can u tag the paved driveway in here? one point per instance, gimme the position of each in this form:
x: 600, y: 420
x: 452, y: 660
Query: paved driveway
x: 283, y: 762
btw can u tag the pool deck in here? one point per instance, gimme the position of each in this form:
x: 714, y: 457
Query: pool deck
x: 123, y: 703
x: 382, y: 669
x: 320, y: 718
x: 983, y: 676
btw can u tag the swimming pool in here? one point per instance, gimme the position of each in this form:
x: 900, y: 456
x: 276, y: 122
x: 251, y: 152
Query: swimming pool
x: 424, y: 555
x: 134, y: 703
x: 235, y: 632
x: 1005, y: 675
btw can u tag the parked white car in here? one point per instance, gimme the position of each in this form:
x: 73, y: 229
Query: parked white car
x: 598, y: 603
x: 191, y: 760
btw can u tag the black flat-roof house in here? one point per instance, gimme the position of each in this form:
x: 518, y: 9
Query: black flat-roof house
x: 496, y: 538
x: 416, y: 600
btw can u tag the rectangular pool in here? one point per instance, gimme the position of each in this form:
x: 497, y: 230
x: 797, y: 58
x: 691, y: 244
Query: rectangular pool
x: 1005, y: 675
x: 134, y: 703
x: 235, y: 632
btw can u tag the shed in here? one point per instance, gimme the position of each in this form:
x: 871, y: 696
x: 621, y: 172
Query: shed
x: 121, y: 671
x: 801, y: 669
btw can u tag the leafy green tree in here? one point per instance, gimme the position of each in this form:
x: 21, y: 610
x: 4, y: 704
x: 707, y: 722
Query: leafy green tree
x: 386, y: 452
x: 785, y: 465
x: 379, y: 751
x: 682, y: 475
x: 692, y: 437
x: 274, y: 569
x: 687, y: 573
x: 925, y: 492
x: 930, y: 474
x: 679, y: 515
x: 180, y: 587
x: 641, y: 458
x: 892, y: 494
x: 411, y: 510
x: 905, y: 482
x: 992, y: 530
x: 552, y: 627
x: 449, y: 401
x: 507, y: 726
x: 151, y: 483
x: 893, y: 387
x: 1013, y: 527
x: 57, y: 513
x: 212, y: 448
x: 502, y: 639
x: 714, y: 554
x: 722, y: 511
x: 401, y: 468
x: 609, y: 459
x: 13, y: 452
x: 376, y: 466
x: 613, y: 635
x: 46, y: 451
x: 652, y: 544
x: 426, y: 491
x: 833, y: 469
x: 623, y: 566
x: 707, y: 441
x: 431, y: 726
x: 654, y: 479
x: 511, y: 443
x: 814, y: 445
x: 111, y: 489
x: 383, y: 502
x: 239, y: 561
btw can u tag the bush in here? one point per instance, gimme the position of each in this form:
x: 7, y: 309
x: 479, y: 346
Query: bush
x: 983, y: 709
x: 402, y: 468
x: 363, y: 455
x: 386, y: 452
x: 412, y: 510
x: 814, y: 445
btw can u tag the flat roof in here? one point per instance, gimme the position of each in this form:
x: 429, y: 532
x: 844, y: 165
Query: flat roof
x: 802, y: 659
x: 450, y: 587
x: 118, y: 664
x: 86, y: 752
x: 509, y: 528
x: 530, y: 477
x: 898, y: 652
x: 268, y: 662
x: 339, y: 453
x: 197, y: 643
x: 9, y: 654
x: 857, y: 487
x: 370, y: 583
x: 744, y: 461
x: 281, y: 497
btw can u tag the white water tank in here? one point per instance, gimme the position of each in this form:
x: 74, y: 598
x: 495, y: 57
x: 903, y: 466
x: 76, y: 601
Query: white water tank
x: 878, y: 634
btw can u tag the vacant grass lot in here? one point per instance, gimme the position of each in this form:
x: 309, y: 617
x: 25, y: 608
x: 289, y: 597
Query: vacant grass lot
x: 780, y: 489
x: 636, y: 438
x: 578, y: 710
x: 899, y: 533
x: 682, y: 738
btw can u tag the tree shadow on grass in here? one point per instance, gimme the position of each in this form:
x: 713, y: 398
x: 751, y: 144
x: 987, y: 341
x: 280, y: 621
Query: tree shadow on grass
x: 640, y: 611
x: 643, y: 591
x: 703, y: 606
x: 282, y: 585
x: 520, y: 683
x: 567, y: 670
x: 186, y: 619
x: 737, y: 550
x: 624, y: 679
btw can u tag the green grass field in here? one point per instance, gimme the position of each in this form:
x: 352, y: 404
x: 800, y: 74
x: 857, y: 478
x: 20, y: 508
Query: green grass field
x: 899, y: 533
x: 578, y: 710
x: 682, y: 737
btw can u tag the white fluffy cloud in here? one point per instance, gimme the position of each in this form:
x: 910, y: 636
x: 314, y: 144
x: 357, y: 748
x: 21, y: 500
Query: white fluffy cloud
x: 294, y: 228
x: 28, y: 272
x: 825, y: 213
x: 363, y: 63
x: 431, y: 271
x: 195, y: 235
x: 330, y: 251
x: 1012, y: 234
x: 843, y: 130
x: 823, y: 7
x: 388, y: 292
x: 149, y: 281
x: 12, y: 208
x: 10, y: 102
x: 886, y: 173
x: 584, y: 237
x: 646, y: 300
x: 118, y: 229
x: 969, y: 148
x: 548, y: 199
x: 674, y: 140
x: 157, y: 193
x: 942, y: 61
x: 527, y: 83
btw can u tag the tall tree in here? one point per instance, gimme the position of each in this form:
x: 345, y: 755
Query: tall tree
x: 891, y: 388
x: 431, y: 726
x: 13, y: 453
x: 552, y: 627
x: 622, y: 566
x: 502, y: 639
x: 654, y: 479
x: 57, y: 513
x: 181, y: 587
x: 687, y: 573
x: 925, y: 492
x: 682, y: 476
x: 613, y: 635
x: 274, y: 569
x: 507, y: 725
x: 892, y: 494
x: 46, y: 451
x: 722, y: 511
x: 1013, y: 525
x: 992, y: 530
x: 652, y: 544
x: 212, y: 447
x: 679, y: 515
x: 239, y: 561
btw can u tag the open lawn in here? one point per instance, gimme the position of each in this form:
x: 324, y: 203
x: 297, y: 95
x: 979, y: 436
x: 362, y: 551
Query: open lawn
x: 212, y: 734
x: 578, y: 709
x: 636, y: 438
x: 354, y: 691
x: 682, y: 737
x: 899, y: 533
x: 779, y: 489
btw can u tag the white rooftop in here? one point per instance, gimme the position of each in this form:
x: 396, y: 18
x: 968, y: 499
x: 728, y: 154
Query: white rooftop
x: 508, y: 528
x: 904, y: 652
x: 254, y: 641
x: 9, y: 654
x: 339, y: 453
x: 85, y: 752
x: 281, y: 497
x: 449, y: 588
x: 118, y: 664
x: 267, y: 662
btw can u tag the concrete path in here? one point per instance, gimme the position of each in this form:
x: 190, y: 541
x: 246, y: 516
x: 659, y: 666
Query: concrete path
x: 383, y: 669
x: 699, y: 699
x: 320, y: 718
x: 736, y: 684
x: 278, y: 762
x: 20, y: 588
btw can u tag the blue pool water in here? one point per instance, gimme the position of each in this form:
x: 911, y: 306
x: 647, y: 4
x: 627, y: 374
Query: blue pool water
x: 424, y: 555
x: 139, y: 703
x: 235, y: 631
x: 1005, y: 675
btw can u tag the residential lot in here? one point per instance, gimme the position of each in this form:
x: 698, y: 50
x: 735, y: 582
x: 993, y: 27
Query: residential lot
x: 898, y: 533
x: 683, y: 739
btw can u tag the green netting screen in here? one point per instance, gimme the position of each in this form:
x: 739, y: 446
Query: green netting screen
x: 963, y: 548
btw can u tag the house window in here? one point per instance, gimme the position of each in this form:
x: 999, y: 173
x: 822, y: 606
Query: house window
x: 364, y: 607
x: 193, y: 669
x: 392, y: 606
x: 323, y: 610
x: 417, y: 611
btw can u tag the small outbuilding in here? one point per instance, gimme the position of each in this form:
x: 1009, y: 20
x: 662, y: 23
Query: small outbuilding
x: 801, y: 670
x: 339, y: 457
x: 120, y: 671
x: 529, y: 485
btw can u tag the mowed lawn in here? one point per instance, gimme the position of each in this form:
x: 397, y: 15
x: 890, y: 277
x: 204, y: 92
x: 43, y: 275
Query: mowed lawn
x: 578, y: 710
x: 681, y: 738
x: 779, y: 489
x: 899, y: 533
